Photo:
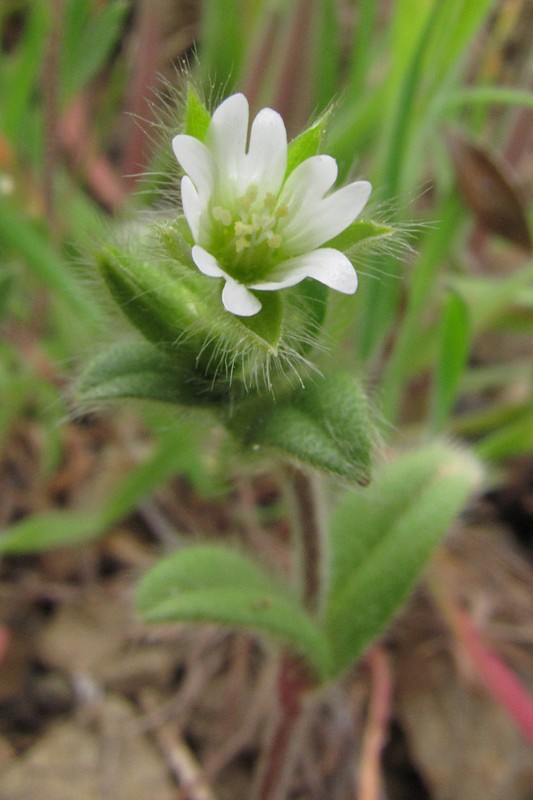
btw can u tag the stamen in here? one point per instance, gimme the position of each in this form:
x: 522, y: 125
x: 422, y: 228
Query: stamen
x: 275, y: 241
x: 241, y: 244
x: 249, y: 197
x: 242, y: 228
x: 222, y: 215
x: 281, y: 211
x: 270, y: 201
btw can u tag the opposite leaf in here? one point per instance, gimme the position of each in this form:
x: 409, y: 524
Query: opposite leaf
x: 211, y: 583
x: 381, y: 539
x: 138, y: 370
x: 326, y: 425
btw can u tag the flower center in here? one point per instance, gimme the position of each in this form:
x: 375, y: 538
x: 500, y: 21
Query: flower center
x: 246, y: 240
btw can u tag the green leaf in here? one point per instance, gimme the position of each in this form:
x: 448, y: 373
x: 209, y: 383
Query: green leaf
x: 211, y: 583
x: 326, y: 425
x: 138, y: 370
x: 360, y: 232
x: 197, y: 117
x: 382, y: 537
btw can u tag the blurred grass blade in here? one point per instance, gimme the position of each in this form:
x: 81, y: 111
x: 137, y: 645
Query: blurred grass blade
x: 21, y: 72
x: 88, y: 39
x: 49, y: 530
x: 487, y: 95
x: 20, y: 236
x: 222, y: 44
x: 451, y: 359
x: 327, y: 53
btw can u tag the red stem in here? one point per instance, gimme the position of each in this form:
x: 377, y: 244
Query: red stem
x: 293, y: 681
x: 498, y: 678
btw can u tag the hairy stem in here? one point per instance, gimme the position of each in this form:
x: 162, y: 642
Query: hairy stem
x: 307, y: 517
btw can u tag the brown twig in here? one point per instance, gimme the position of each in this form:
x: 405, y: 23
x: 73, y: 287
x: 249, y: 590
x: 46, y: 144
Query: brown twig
x: 369, y: 779
x: 181, y: 762
x: 303, y: 492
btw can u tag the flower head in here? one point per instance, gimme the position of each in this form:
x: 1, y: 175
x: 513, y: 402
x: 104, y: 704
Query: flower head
x: 253, y: 224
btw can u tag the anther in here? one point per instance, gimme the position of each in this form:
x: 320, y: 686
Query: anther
x: 222, y: 215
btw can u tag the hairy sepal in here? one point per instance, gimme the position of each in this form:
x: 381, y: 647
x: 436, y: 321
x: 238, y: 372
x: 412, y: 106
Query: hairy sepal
x: 359, y: 233
x: 196, y: 118
x: 307, y: 143
x: 177, y: 308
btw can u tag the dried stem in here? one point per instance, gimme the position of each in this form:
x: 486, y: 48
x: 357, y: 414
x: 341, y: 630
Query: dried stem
x: 308, y: 529
x: 369, y: 780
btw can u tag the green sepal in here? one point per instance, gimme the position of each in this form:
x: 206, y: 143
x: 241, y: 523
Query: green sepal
x: 160, y: 306
x: 267, y: 324
x: 311, y: 302
x: 180, y: 309
x: 381, y: 538
x: 196, y: 118
x: 360, y: 232
x: 325, y: 425
x: 140, y: 371
x: 178, y: 242
x: 211, y: 583
x: 306, y: 144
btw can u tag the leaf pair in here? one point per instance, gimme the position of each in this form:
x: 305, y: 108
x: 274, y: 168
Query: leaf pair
x: 380, y: 540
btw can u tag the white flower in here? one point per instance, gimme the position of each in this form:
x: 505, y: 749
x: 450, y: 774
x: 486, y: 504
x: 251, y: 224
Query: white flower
x: 253, y: 225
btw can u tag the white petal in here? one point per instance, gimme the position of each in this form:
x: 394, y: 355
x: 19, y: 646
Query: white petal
x: 228, y: 134
x: 327, y: 218
x: 192, y: 207
x: 197, y: 161
x: 328, y: 266
x: 207, y: 263
x: 238, y: 300
x: 309, y: 182
x: 266, y: 161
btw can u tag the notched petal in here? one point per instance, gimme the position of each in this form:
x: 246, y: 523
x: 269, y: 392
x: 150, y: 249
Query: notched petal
x: 206, y: 263
x: 197, y: 161
x: 228, y: 133
x: 239, y: 300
